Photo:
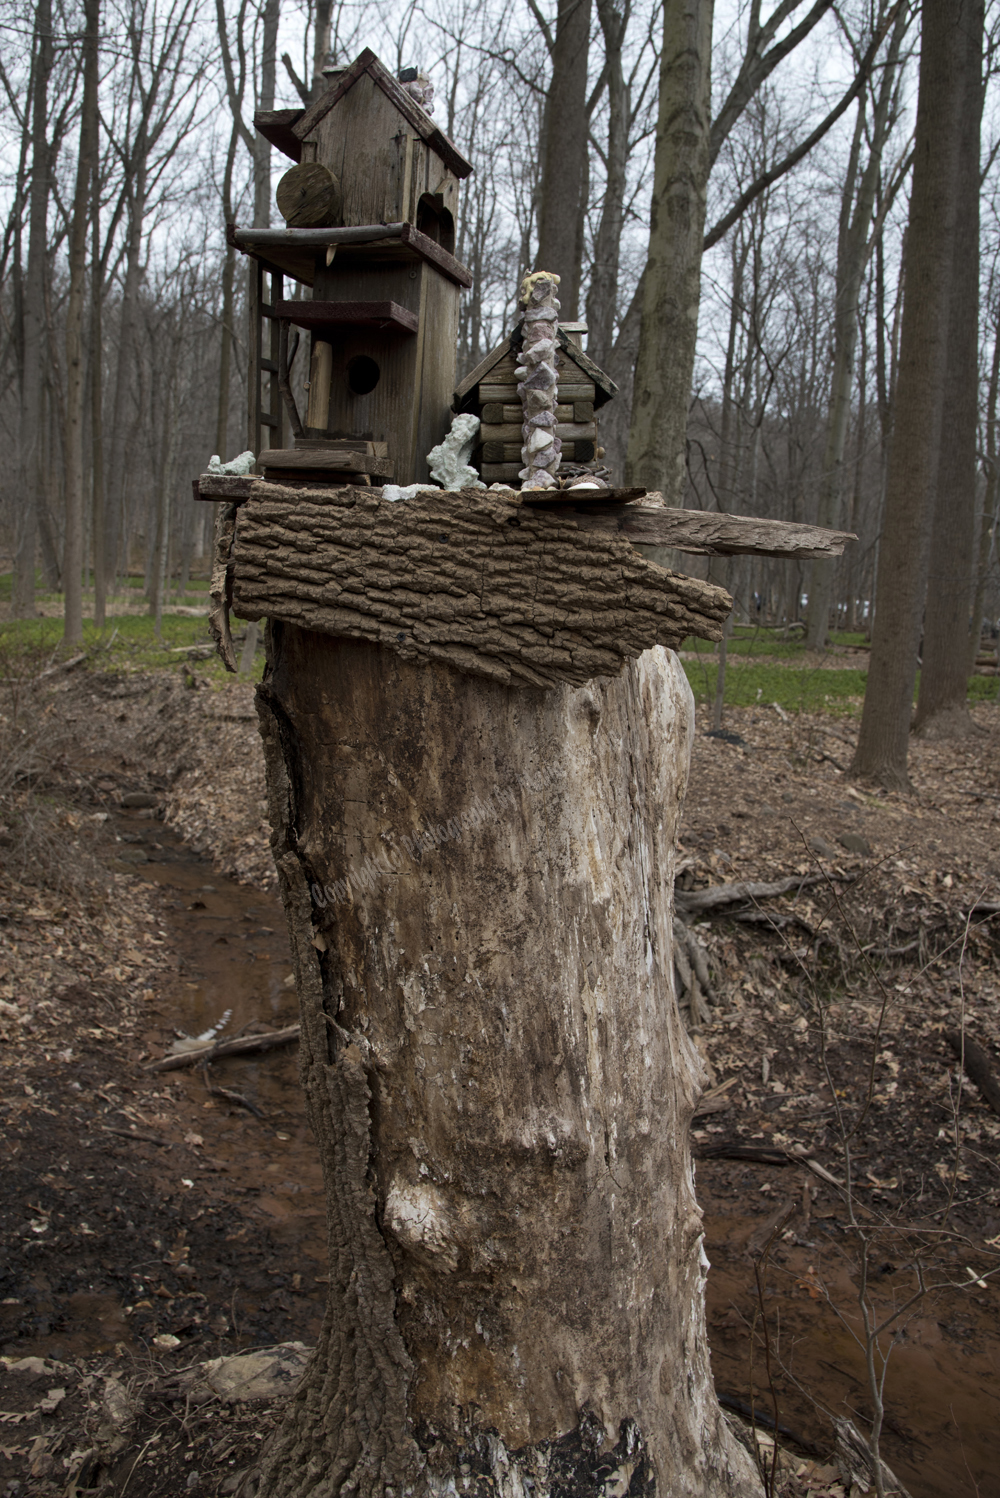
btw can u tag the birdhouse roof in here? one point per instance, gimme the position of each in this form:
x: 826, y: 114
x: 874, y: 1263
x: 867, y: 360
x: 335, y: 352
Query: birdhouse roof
x: 287, y: 129
x: 604, y: 385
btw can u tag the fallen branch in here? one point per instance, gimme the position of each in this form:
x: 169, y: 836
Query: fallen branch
x: 134, y: 1134
x: 716, y: 895
x: 228, y: 1095
x: 246, y: 1045
x: 761, y: 1155
x: 978, y: 1066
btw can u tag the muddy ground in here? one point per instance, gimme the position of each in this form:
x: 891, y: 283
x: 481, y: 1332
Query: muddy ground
x: 151, y: 1224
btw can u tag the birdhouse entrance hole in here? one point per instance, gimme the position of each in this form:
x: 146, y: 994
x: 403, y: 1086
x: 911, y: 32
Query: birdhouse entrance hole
x: 362, y: 375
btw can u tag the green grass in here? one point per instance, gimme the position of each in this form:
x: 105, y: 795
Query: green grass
x: 798, y: 689
x: 794, y: 689
x: 127, y: 643
x: 748, y: 639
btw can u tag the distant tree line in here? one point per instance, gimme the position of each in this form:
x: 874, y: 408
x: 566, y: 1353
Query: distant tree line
x: 621, y: 143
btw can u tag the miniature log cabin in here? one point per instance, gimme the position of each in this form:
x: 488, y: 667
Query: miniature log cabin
x: 490, y: 392
x: 371, y: 210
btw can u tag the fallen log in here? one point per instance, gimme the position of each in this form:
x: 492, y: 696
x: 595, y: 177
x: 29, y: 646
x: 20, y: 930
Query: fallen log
x: 690, y: 900
x: 243, y: 1045
x: 765, y: 1155
x: 978, y: 1066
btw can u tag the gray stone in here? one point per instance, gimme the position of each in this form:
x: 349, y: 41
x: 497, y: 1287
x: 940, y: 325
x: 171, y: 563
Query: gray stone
x: 273, y: 1373
x: 140, y: 798
x: 822, y: 847
x: 855, y: 843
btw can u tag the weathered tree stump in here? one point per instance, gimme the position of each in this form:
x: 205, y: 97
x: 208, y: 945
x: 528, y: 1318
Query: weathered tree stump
x: 478, y: 884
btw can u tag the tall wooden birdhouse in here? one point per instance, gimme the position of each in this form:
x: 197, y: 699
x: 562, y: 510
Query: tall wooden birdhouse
x: 370, y: 210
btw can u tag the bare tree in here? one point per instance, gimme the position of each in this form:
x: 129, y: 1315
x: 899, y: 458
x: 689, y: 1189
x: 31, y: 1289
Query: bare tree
x: 883, y: 740
x: 75, y: 372
x: 564, y: 159
x: 33, y: 320
x: 855, y: 241
x: 942, y: 708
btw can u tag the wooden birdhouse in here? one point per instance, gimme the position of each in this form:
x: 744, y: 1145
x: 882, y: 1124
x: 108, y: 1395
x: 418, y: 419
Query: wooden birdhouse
x: 370, y: 211
x: 490, y: 392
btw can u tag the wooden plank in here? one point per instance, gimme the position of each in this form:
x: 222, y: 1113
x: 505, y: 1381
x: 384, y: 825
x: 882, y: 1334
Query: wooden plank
x: 276, y: 125
x: 504, y: 415
x: 214, y: 487
x: 436, y: 255
x: 330, y: 460
x: 506, y: 392
x: 511, y: 431
x: 255, y: 295
x: 582, y: 411
x: 561, y: 499
x: 707, y: 533
x: 317, y: 314
x: 481, y: 370
x: 579, y: 451
x: 495, y: 473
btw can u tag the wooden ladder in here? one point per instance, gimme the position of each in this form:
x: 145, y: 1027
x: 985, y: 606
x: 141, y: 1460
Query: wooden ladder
x: 264, y: 416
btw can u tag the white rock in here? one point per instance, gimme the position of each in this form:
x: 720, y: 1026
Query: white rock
x: 235, y: 468
x: 394, y: 492
x: 449, y: 461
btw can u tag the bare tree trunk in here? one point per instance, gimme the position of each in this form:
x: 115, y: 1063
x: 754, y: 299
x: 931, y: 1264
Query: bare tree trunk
x: 942, y: 706
x: 665, y: 363
x: 115, y: 528
x: 603, y: 294
x: 31, y: 436
x: 883, y: 740
x: 262, y: 146
x: 854, y: 246
x: 498, y: 1078
x: 991, y: 509
x: 75, y: 377
x: 99, y: 542
x: 564, y: 166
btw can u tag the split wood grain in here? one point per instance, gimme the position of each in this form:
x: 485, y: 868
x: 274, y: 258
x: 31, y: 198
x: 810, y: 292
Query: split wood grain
x: 496, y: 590
x: 705, y: 533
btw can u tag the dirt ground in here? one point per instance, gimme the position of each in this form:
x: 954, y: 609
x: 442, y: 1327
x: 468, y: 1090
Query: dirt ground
x: 152, y: 1225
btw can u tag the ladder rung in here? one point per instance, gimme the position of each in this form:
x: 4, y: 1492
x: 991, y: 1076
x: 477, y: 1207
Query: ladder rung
x: 269, y: 365
x: 266, y: 310
x: 268, y: 421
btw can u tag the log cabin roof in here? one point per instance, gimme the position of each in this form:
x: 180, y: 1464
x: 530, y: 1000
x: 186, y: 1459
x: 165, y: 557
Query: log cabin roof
x: 604, y: 385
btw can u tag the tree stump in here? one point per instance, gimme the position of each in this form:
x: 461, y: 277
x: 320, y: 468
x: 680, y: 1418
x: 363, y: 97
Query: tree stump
x: 478, y: 885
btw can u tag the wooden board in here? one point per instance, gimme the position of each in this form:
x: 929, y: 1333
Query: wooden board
x: 511, y: 432
x: 580, y: 451
x: 650, y: 522
x: 560, y: 498
x: 223, y: 487
x: 316, y: 314
x: 507, y: 394
x: 327, y: 459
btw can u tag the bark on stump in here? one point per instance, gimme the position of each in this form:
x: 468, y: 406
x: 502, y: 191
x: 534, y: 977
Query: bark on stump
x: 498, y: 1080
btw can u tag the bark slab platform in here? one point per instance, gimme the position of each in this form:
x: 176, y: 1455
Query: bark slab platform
x: 467, y: 578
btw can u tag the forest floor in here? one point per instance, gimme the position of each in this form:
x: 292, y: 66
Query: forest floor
x: 157, y: 1228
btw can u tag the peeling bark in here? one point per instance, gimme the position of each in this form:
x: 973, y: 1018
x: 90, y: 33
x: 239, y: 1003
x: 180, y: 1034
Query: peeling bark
x: 465, y: 578
x: 477, y: 881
